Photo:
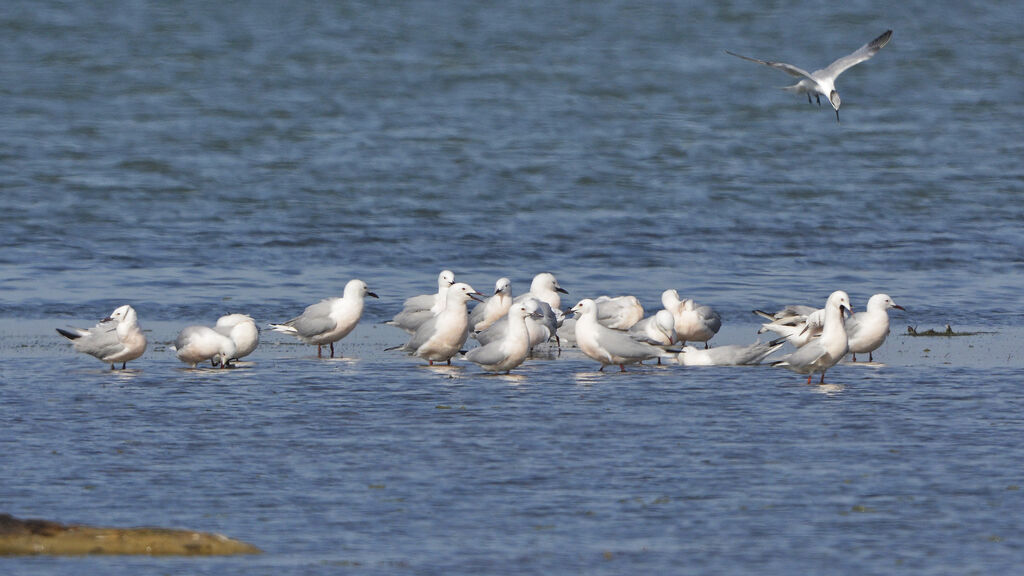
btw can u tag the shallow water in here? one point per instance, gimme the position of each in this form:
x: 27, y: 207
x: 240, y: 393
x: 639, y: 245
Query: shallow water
x: 196, y: 160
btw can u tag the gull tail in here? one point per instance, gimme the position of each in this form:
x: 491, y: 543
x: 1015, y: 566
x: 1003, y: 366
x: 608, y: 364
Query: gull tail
x: 773, y: 346
x: 69, y: 335
x: 283, y: 328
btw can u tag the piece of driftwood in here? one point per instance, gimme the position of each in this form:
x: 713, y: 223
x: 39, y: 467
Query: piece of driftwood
x: 33, y: 537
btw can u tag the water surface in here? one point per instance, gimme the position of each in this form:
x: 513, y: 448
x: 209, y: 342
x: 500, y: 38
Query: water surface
x: 196, y: 160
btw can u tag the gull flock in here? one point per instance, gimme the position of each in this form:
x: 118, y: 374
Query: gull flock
x: 608, y: 330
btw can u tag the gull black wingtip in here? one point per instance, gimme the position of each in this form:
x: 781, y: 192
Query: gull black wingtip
x: 883, y: 39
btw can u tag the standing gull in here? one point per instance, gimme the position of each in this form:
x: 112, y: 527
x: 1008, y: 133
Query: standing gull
x: 510, y: 351
x: 545, y: 294
x: 441, y: 337
x: 117, y: 338
x: 609, y: 346
x: 494, y: 308
x: 867, y: 330
x: 822, y: 82
x: 824, y: 352
x: 694, y: 322
x: 329, y: 320
x: 418, y: 309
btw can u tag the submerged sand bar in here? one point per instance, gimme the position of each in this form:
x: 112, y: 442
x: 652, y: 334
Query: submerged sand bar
x: 34, y: 537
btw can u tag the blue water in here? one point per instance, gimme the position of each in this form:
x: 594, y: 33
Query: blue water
x: 196, y: 159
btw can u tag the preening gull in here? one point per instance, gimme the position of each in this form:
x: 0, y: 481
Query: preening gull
x: 116, y: 338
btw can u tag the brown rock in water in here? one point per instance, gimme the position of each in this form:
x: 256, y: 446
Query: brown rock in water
x: 30, y: 537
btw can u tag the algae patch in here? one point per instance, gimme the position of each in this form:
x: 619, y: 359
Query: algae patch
x: 39, y: 537
x: 948, y: 332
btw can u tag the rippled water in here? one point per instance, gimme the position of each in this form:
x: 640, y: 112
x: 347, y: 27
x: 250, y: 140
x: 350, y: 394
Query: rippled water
x: 198, y: 159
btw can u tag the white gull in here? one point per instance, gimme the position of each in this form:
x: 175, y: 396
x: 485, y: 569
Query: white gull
x: 329, y: 320
x: 822, y: 82
x: 116, y: 338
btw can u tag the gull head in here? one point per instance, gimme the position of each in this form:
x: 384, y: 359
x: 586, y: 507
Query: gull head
x: 883, y: 302
x: 445, y: 278
x: 358, y: 288
x: 461, y: 292
x: 122, y: 314
x: 523, y: 311
x: 840, y: 300
x: 584, y: 307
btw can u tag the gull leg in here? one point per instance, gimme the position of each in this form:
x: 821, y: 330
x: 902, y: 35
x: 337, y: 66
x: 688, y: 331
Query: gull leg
x: 854, y: 356
x: 870, y: 359
x: 601, y: 369
x: 816, y: 97
x: 622, y: 367
x: 822, y: 377
x: 809, y: 98
x: 112, y: 367
x: 809, y: 377
x: 706, y: 345
x: 124, y: 365
x: 319, y: 351
x: 332, y: 349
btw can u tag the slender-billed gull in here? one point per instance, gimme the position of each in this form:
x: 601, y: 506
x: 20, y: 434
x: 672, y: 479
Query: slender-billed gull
x: 619, y: 312
x: 867, y: 330
x: 510, y: 351
x: 494, y: 308
x: 442, y: 336
x: 729, y: 355
x: 792, y: 312
x: 329, y: 320
x: 609, y: 346
x: 822, y: 82
x: 196, y: 344
x: 117, y: 338
x: 826, y: 351
x: 656, y: 330
x: 541, y: 324
x: 418, y: 309
x: 694, y: 322
x: 797, y: 323
x: 243, y: 332
x: 545, y: 290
